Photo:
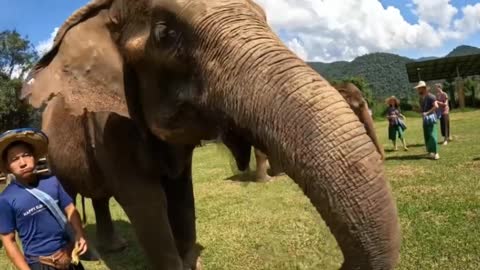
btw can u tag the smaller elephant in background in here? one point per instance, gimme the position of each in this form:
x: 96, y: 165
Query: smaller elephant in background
x: 359, y: 105
x: 267, y: 167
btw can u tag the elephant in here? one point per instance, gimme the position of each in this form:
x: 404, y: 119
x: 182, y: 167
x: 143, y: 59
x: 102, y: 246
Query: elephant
x: 192, y: 70
x: 359, y: 105
x: 87, y: 160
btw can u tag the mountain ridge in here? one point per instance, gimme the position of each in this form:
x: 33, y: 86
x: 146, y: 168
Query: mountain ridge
x: 385, y: 72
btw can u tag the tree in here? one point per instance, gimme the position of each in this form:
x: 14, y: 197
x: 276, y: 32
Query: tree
x: 15, y: 53
x: 470, y: 87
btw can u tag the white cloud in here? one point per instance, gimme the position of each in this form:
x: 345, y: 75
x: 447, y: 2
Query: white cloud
x: 298, y: 48
x: 45, y: 45
x: 435, y: 12
x: 332, y: 30
x: 470, y: 22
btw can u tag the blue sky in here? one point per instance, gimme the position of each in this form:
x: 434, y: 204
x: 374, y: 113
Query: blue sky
x: 297, y: 23
x: 36, y: 18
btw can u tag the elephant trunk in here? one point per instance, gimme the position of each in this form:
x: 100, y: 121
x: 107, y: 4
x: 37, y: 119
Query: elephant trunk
x: 306, y: 124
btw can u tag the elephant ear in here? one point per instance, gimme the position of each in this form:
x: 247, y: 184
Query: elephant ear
x: 84, y: 65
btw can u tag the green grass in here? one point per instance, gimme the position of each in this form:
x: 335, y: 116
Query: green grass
x: 245, y: 225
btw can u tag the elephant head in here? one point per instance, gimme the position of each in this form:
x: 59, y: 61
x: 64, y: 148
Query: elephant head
x: 359, y: 105
x: 193, y: 69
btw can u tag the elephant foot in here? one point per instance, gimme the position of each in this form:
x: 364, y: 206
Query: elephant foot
x: 276, y: 173
x: 192, y: 260
x: 113, y: 244
x: 198, y: 266
x: 263, y: 178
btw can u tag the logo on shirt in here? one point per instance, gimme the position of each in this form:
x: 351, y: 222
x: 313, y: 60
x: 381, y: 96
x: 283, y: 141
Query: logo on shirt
x: 35, y: 210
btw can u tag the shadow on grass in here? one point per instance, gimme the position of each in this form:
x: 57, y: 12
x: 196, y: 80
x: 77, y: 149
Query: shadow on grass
x: 400, y: 147
x: 416, y: 145
x: 129, y: 258
x: 476, y: 159
x: 409, y: 157
x: 244, y: 177
x: 251, y: 177
x: 132, y: 257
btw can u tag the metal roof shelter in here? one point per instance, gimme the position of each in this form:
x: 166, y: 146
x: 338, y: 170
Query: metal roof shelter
x: 445, y: 68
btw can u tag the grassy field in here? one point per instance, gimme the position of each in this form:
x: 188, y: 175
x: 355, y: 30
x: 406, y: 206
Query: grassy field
x: 246, y: 225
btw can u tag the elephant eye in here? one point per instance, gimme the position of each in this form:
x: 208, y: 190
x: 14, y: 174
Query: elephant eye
x: 172, y: 33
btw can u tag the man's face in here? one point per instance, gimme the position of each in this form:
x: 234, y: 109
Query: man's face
x: 422, y: 90
x: 20, y: 161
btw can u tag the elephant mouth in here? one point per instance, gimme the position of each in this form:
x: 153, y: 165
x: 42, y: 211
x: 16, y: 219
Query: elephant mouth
x: 184, y: 134
x: 175, y: 136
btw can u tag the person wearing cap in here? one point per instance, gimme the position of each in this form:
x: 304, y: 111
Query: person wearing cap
x: 442, y: 100
x: 429, y: 106
x: 45, y: 241
x: 395, y: 121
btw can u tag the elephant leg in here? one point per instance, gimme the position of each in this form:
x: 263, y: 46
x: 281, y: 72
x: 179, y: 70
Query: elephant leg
x: 240, y: 149
x: 136, y: 175
x: 145, y: 204
x: 262, y: 166
x: 275, y: 167
x: 181, y: 214
x: 108, y: 238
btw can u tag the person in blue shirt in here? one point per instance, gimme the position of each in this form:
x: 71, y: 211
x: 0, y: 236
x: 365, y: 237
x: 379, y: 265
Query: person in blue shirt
x: 45, y: 242
x: 429, y: 106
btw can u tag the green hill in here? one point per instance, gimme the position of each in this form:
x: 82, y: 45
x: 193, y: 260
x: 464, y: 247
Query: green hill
x: 385, y: 72
x: 464, y: 50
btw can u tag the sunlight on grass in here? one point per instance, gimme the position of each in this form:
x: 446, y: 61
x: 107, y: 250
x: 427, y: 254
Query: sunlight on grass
x: 246, y: 225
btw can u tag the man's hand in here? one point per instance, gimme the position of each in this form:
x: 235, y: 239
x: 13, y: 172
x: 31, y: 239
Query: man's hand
x: 81, y: 245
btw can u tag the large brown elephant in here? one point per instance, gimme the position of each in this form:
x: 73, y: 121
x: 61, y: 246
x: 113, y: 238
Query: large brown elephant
x: 266, y: 168
x: 103, y: 154
x: 194, y: 69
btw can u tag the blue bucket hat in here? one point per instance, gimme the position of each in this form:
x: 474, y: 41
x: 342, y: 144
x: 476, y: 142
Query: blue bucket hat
x: 34, y: 137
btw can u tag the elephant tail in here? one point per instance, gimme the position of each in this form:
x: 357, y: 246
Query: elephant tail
x: 84, y: 214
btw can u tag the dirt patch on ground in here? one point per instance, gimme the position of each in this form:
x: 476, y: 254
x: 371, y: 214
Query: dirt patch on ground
x: 471, y: 165
x: 403, y: 172
x: 420, y: 190
x: 435, y: 218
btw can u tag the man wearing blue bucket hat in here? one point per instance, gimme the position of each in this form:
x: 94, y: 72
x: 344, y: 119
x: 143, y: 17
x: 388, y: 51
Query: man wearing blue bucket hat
x: 37, y: 208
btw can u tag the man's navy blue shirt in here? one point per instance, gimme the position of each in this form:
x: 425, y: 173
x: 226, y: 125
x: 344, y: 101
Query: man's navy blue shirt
x: 37, y: 227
